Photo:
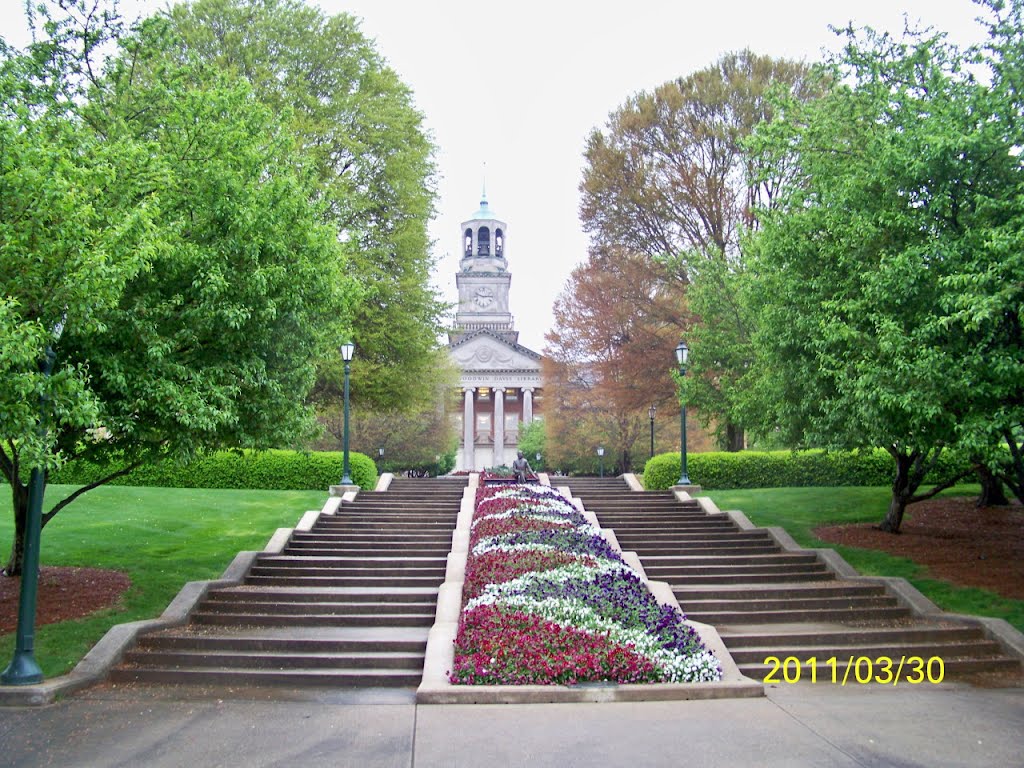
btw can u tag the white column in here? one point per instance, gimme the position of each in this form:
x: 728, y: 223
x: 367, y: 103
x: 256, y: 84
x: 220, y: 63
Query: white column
x: 468, y: 430
x: 527, y: 405
x: 499, y: 426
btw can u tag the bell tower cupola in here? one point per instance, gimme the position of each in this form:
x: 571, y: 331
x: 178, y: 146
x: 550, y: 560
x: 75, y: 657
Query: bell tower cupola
x: 483, y: 241
x: 483, y: 278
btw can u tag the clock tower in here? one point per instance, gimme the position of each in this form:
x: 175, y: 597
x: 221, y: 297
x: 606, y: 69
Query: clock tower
x: 483, y: 279
x: 500, y: 382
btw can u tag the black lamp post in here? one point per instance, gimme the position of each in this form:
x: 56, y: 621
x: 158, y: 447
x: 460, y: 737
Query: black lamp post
x: 682, y: 352
x: 23, y: 669
x: 650, y: 413
x: 537, y: 468
x: 380, y: 454
x: 347, y: 350
x: 600, y: 455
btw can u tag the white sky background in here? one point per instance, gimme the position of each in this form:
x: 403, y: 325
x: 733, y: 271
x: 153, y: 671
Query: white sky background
x: 520, y: 84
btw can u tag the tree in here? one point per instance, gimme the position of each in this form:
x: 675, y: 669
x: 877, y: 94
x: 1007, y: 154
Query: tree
x: 412, y: 437
x: 533, y: 440
x: 371, y: 156
x: 607, y: 360
x: 170, y: 225
x: 670, y: 178
x: 908, y: 181
x: 985, y: 298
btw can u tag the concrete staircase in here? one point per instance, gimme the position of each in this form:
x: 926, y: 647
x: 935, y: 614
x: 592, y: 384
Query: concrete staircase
x: 767, y: 601
x: 348, y: 603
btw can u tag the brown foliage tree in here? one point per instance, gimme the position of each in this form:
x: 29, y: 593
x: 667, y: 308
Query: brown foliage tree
x: 609, y: 358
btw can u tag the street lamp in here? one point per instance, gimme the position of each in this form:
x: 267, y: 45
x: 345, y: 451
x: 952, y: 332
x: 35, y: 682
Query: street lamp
x: 538, y: 460
x: 380, y: 455
x: 682, y: 353
x: 23, y: 669
x: 650, y: 412
x: 347, y: 349
x: 600, y: 455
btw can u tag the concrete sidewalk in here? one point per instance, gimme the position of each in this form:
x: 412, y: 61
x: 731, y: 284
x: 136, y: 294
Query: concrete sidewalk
x: 801, y: 725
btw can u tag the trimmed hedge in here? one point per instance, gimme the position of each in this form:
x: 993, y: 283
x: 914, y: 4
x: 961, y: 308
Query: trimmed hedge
x: 787, y: 469
x: 257, y: 470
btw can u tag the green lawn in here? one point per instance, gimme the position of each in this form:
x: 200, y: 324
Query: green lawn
x: 161, y: 537
x: 800, y: 510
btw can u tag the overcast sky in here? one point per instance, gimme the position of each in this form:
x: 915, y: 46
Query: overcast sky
x: 518, y: 86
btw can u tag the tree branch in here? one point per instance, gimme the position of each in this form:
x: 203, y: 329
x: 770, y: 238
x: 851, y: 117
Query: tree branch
x: 85, y: 488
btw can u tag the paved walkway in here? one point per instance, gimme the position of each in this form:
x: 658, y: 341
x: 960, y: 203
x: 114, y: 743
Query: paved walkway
x: 802, y: 725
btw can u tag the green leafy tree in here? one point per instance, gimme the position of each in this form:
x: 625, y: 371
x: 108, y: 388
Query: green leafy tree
x: 533, y: 440
x: 669, y: 177
x: 908, y: 184
x: 371, y: 157
x: 412, y: 437
x: 169, y: 224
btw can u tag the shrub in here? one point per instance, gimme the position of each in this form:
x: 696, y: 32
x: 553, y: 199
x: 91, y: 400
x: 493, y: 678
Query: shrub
x: 787, y: 469
x: 263, y: 470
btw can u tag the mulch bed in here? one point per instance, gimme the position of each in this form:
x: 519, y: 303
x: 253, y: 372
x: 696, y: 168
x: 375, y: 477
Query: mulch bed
x: 64, y: 593
x: 957, y: 541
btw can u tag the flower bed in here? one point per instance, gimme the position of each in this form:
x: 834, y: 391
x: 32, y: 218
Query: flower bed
x: 546, y: 600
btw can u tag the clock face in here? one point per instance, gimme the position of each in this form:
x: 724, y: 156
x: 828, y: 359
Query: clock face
x: 483, y: 297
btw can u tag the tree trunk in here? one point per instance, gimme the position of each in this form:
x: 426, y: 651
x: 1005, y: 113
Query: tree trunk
x: 20, y: 493
x: 993, y: 494
x: 901, y: 492
x: 734, y: 438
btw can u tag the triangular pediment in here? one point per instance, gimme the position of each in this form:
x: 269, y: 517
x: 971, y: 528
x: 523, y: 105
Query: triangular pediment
x: 486, y: 351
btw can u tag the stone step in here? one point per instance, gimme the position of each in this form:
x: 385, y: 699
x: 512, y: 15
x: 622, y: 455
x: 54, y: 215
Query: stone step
x: 783, y: 603
x: 747, y: 577
x: 688, y: 561
x: 274, y: 644
x: 335, y: 526
x: 240, y: 678
x: 343, y: 581
x: 668, y: 523
x: 746, y: 591
x: 317, y: 549
x: 709, y: 548
x: 412, y: 536
x: 840, y: 615
x: 443, y: 516
x: 324, y: 570
x: 341, y: 562
x: 279, y: 619
x: 389, y: 521
x: 396, y: 545
x: 337, y: 535
x: 951, y: 669
x: 735, y: 639
x: 275, y: 660
x: 285, y: 595
x: 715, y: 536
x: 320, y: 608
x: 844, y: 651
x: 707, y: 524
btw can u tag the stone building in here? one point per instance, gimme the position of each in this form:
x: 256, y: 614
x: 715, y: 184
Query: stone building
x: 499, y: 377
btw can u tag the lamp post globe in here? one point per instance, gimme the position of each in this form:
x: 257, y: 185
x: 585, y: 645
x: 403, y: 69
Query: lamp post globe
x: 347, y: 351
x: 682, y: 354
x: 600, y: 455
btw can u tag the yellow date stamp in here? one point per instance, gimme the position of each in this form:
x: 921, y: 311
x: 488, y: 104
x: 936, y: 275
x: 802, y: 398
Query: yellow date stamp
x: 856, y: 670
